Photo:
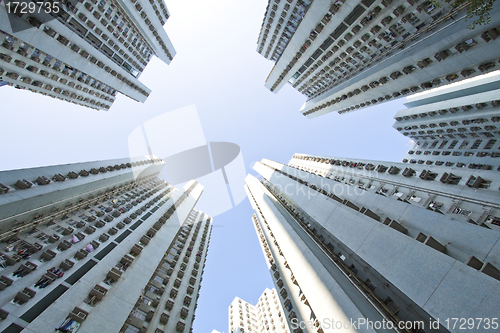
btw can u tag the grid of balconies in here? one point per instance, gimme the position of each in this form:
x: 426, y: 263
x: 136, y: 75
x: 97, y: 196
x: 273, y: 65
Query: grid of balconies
x: 291, y: 12
x: 390, y: 81
x: 172, y: 289
x: 352, y: 55
x: 378, y: 178
x: 72, y: 233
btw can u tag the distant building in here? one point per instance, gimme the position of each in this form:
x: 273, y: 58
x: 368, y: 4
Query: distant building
x: 85, y: 53
x: 347, y: 55
x: 102, y: 246
x: 266, y: 316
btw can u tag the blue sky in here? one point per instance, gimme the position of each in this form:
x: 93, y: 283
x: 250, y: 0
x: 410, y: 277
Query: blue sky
x: 217, y: 69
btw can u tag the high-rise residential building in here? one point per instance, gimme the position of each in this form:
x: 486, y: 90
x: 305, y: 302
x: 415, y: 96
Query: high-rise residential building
x: 83, y: 52
x: 369, y: 245
x: 242, y: 317
x: 347, y: 55
x: 102, y: 246
x: 266, y: 316
x: 454, y: 125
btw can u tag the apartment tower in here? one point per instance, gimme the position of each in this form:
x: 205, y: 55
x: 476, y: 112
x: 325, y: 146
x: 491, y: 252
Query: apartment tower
x: 347, y: 55
x: 266, y: 316
x: 84, y: 52
x: 455, y: 125
x: 102, y: 246
x: 351, y: 242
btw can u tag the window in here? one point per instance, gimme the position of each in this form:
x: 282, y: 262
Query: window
x: 444, y: 143
x: 490, y: 144
x: 41, y: 236
x: 476, y: 144
x: 59, y: 229
x: 131, y: 329
x: 153, y: 289
x: 140, y: 314
x: 146, y: 300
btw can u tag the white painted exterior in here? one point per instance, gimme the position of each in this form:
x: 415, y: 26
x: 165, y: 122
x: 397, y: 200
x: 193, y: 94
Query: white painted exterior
x: 106, y: 44
x: 417, y: 258
x: 141, y: 228
x: 347, y: 55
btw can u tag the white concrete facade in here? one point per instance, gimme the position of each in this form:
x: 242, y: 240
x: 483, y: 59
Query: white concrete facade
x: 130, y: 246
x: 347, y: 55
x: 404, y: 252
x: 455, y: 125
x: 87, y: 52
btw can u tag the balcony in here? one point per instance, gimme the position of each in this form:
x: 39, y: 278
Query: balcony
x: 23, y: 184
x: 47, y: 255
x: 180, y: 326
x: 42, y: 180
x: 427, y: 175
x: 169, y: 304
x: 96, y: 295
x: 112, y: 276
x: 5, y: 282
x: 125, y: 262
x: 136, y: 250
x: 145, y: 240
x: 396, y: 226
x: 3, y: 188
x: 24, y: 296
x: 478, y: 182
x: 394, y: 170
x: 90, y: 230
x: 100, y: 224
x: 431, y: 242
x: 81, y: 254
x: 66, y: 265
x: 78, y: 315
x: 184, y: 312
x: 486, y: 66
x: 164, y: 318
x: 408, y: 172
